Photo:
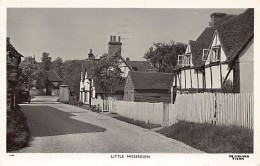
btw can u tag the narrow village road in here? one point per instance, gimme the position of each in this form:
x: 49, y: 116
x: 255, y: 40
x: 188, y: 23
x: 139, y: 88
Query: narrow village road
x: 62, y: 128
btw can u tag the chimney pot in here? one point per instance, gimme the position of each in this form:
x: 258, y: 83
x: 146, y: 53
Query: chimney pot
x: 91, y: 55
x: 119, y: 38
x: 111, y: 38
x: 114, y: 38
x: 8, y: 39
x: 127, y: 59
x: 215, y: 18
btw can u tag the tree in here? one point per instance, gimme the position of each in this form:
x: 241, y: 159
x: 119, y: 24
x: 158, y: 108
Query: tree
x: 46, y: 61
x: 28, y: 74
x: 164, y: 56
x: 71, y: 70
x: 107, y: 74
x: 57, y: 66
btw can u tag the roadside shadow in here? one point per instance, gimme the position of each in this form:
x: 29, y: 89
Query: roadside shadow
x: 48, y: 121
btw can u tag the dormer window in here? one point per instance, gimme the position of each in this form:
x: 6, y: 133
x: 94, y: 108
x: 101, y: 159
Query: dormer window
x: 180, y: 60
x: 184, y: 60
x: 215, y: 54
x: 187, y: 59
x: 205, y: 54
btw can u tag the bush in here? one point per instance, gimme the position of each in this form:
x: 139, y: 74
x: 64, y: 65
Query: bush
x: 18, y: 134
x: 211, y: 138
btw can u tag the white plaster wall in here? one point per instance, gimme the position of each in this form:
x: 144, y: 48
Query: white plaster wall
x: 246, y: 63
x: 86, y: 98
x: 124, y: 69
x: 194, y: 78
x: 208, y: 77
x: 177, y: 80
x: 216, y: 81
x: 200, y: 77
x: 188, y: 79
x: 93, y: 89
x: 182, y: 79
x: 224, y: 69
x: 216, y: 42
x: 87, y: 84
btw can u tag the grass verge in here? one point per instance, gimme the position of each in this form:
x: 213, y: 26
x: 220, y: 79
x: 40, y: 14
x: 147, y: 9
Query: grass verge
x: 18, y: 134
x: 211, y: 138
x: 137, y: 123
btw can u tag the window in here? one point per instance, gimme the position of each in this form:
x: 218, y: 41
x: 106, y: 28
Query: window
x: 206, y: 52
x: 180, y: 60
x: 215, y: 54
x: 187, y: 59
x: 184, y: 60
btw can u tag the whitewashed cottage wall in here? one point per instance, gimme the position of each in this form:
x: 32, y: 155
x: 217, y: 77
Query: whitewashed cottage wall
x: 124, y: 69
x: 188, y: 79
x: 216, y: 79
x: 194, y: 78
x: 183, y: 78
x: 200, y: 79
x: 246, y: 65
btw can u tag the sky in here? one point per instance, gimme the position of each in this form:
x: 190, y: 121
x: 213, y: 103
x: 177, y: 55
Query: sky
x: 70, y: 33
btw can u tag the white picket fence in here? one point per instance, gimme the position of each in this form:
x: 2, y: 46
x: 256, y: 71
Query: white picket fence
x: 216, y: 108
x: 213, y: 108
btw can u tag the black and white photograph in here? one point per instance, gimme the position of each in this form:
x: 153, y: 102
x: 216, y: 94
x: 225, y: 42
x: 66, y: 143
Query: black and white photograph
x: 130, y: 83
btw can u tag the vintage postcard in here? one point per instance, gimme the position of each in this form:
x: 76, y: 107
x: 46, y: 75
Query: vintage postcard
x: 129, y: 82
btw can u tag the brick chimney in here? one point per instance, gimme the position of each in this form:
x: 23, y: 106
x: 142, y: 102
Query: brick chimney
x: 114, y: 46
x: 215, y: 18
x: 90, y: 54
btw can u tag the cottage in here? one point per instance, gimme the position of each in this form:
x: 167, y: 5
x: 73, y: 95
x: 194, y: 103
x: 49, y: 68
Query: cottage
x: 13, y: 60
x: 48, y: 84
x: 221, y: 59
x: 89, y: 88
x: 148, y: 87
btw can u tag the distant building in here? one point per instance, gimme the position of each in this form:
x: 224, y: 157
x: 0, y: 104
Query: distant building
x: 148, y: 87
x: 48, y: 83
x: 88, y: 86
x: 13, y: 60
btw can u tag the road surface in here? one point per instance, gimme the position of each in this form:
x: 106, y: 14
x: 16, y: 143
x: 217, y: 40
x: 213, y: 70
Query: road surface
x: 63, y: 128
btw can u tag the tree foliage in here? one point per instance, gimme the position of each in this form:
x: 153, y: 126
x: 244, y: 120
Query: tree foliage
x: 107, y: 74
x: 57, y: 66
x: 28, y: 74
x: 71, y: 70
x: 164, y: 56
x: 46, y: 61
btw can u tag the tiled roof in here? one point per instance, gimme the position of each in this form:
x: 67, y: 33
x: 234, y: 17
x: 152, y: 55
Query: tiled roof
x: 196, y: 51
x: 151, y: 80
x: 142, y: 66
x: 53, y: 76
x: 88, y: 66
x: 236, y: 33
x: 204, y: 41
x: 10, y: 47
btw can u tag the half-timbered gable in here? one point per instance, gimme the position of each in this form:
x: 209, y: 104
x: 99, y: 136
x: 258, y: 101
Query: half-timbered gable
x: 216, y: 55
